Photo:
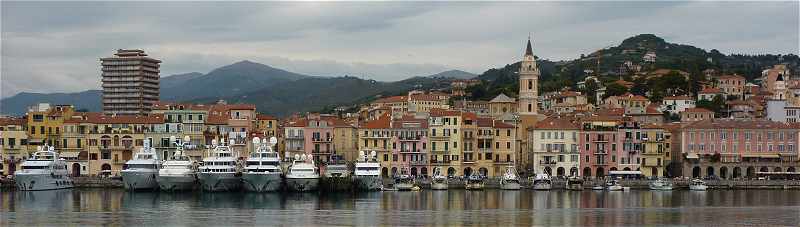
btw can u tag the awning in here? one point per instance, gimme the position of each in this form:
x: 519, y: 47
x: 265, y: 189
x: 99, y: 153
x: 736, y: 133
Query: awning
x: 69, y: 154
x: 692, y: 156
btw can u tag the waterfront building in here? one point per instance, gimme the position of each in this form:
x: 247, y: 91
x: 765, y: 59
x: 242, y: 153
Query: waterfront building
x: 345, y: 139
x: 130, y: 82
x: 555, y: 146
x: 409, y: 139
x: 527, y: 107
x: 656, y: 142
x: 74, y: 140
x: 444, y: 138
x: 472, y: 157
x: 374, y: 135
x: 738, y: 148
x: 267, y: 125
x: 180, y: 120
x: 316, y: 135
x: 633, y: 136
x: 599, y: 145
x: 45, y: 124
x: 13, y: 144
x: 505, y: 148
x: 113, y: 139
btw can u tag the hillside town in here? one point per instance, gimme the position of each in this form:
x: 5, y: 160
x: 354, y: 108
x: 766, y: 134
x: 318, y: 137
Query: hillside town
x: 560, y: 133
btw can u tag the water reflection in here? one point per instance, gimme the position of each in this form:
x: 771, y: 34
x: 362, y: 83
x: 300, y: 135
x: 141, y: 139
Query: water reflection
x: 453, y: 207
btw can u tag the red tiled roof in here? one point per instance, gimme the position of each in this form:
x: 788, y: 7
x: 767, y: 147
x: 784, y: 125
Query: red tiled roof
x: 501, y: 124
x: 738, y: 124
x: 468, y: 115
x: 12, y: 121
x: 697, y: 110
x: 297, y: 123
x: 556, y: 123
x: 484, y: 122
x: 265, y: 117
x: 381, y: 122
x: 391, y: 99
x: 710, y: 90
x: 218, y: 115
x: 734, y: 76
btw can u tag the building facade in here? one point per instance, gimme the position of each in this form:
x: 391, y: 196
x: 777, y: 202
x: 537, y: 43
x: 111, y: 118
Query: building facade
x: 130, y: 82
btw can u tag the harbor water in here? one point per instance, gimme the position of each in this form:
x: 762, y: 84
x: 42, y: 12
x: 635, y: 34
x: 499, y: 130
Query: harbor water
x: 82, y: 207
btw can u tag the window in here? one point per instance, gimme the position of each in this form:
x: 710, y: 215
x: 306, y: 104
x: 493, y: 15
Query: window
x: 385, y: 157
x: 508, y: 145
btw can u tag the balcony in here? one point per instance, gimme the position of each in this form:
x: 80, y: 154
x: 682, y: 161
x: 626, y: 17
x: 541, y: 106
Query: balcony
x: 484, y: 136
x: 440, y: 137
x: 547, y: 162
x: 295, y: 137
x: 440, y: 162
x: 419, y: 162
x: 600, y: 140
x: 468, y: 136
x: 321, y: 140
x: 409, y: 138
x: 600, y: 164
x: 601, y: 152
x: 411, y: 151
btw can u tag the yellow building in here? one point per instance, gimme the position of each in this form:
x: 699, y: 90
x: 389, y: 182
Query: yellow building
x: 267, y: 125
x: 499, y: 144
x: 656, y: 150
x: 345, y: 140
x: 45, y: 124
x: 13, y: 141
x: 114, y: 139
x: 74, y: 141
x: 469, y: 132
x: 374, y: 136
x: 444, y: 140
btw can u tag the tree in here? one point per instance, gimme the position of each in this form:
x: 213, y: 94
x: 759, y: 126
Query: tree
x: 590, y: 90
x: 717, y: 105
x: 614, y: 89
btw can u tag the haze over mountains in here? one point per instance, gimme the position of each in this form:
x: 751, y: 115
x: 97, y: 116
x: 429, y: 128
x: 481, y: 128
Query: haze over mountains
x: 274, y: 91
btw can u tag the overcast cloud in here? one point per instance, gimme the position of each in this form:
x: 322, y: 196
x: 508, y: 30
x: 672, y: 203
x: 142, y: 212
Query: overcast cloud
x: 55, y: 47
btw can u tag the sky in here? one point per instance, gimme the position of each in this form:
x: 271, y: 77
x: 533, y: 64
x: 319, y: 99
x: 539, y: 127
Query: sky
x: 55, y: 46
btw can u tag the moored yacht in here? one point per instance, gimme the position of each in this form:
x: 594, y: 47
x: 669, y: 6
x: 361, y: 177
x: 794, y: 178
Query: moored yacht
x: 613, y: 185
x: 542, y: 181
x: 367, y: 172
x: 510, y: 179
x: 303, y: 175
x: 575, y: 183
x: 404, y: 181
x: 661, y: 185
x: 474, y: 182
x: 177, y: 173
x: 262, y: 172
x: 142, y: 170
x: 219, y: 169
x: 439, y: 181
x: 44, y: 171
x: 698, y: 185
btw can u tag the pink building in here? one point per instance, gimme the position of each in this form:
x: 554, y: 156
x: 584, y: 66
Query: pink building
x: 409, y: 142
x: 312, y: 135
x: 738, y: 148
x: 600, y: 145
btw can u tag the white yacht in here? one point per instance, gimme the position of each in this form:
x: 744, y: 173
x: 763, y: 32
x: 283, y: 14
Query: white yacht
x: 177, y: 173
x: 303, y: 175
x: 510, y: 179
x: 44, y: 171
x: 575, y: 183
x: 613, y: 185
x: 542, y: 181
x: 367, y: 172
x: 439, y: 181
x: 219, y: 169
x: 474, y: 182
x: 142, y: 170
x: 262, y: 172
x: 698, y: 185
x: 404, y: 181
x: 660, y: 185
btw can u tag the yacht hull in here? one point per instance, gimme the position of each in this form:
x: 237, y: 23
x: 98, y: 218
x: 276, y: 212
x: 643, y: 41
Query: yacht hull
x: 254, y: 182
x: 302, y: 184
x: 216, y: 182
x: 474, y: 186
x: 404, y: 186
x: 439, y: 185
x: 574, y: 187
x: 368, y: 183
x: 542, y: 186
x: 139, y: 180
x: 176, y: 183
x: 40, y: 182
x: 506, y: 185
x: 698, y: 187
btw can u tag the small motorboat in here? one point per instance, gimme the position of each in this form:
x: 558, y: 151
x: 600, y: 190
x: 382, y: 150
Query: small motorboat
x: 698, y: 185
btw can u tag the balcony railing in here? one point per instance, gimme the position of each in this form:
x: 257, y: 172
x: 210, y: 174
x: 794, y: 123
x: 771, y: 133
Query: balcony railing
x: 547, y: 163
x: 409, y: 138
x: 600, y: 152
x: 419, y: 162
x: 321, y: 140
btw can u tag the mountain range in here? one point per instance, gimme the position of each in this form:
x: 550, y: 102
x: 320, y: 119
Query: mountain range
x: 274, y: 91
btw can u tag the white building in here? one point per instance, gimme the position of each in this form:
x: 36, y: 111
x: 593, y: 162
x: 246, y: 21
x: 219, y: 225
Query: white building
x: 677, y: 104
x: 555, y: 147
